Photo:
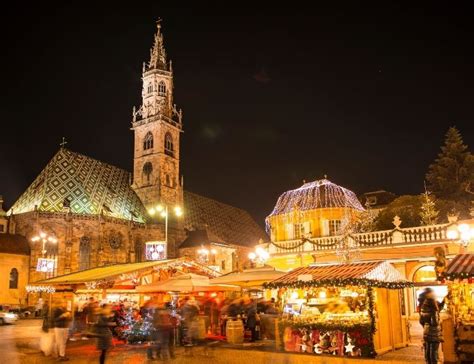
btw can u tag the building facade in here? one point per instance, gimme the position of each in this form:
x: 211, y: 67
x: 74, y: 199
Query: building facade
x: 410, y: 250
x: 14, y: 264
x: 80, y: 212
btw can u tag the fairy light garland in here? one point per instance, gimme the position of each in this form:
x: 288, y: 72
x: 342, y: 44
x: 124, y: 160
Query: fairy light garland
x: 339, y: 282
x: 386, y: 238
x: 315, y: 195
x: 40, y: 289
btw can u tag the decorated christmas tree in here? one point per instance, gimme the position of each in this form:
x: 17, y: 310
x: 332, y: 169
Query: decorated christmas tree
x: 136, y: 329
x: 429, y: 213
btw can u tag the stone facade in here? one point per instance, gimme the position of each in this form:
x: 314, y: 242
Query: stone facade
x: 89, y: 241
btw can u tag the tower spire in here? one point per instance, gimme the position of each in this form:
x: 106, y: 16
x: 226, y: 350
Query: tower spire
x: 158, y: 52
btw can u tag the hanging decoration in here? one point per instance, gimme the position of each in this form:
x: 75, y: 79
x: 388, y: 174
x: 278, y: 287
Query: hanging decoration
x: 45, y: 265
x: 339, y: 282
x: 134, y: 277
x: 99, y: 284
x: 40, y: 289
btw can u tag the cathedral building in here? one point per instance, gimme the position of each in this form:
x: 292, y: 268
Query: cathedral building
x: 80, y: 212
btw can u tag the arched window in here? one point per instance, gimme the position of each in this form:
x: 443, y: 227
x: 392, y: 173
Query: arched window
x: 150, y: 88
x: 148, y: 141
x: 147, y: 171
x: 162, y: 89
x: 84, y: 253
x: 13, y: 278
x: 169, y: 148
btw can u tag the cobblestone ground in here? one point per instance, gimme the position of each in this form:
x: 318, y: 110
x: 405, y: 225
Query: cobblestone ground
x: 19, y: 344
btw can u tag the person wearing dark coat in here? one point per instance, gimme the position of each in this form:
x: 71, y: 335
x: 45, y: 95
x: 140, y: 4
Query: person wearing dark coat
x: 103, y: 332
x: 251, y: 312
x: 430, y: 319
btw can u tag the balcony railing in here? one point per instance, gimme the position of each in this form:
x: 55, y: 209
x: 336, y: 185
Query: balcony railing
x: 395, y: 237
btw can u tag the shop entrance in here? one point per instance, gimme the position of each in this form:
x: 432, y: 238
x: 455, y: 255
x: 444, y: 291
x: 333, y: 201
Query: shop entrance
x: 423, y: 278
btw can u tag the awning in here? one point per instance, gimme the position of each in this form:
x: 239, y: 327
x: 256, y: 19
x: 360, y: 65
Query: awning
x: 249, y: 277
x: 111, y: 272
x: 186, y: 283
x: 461, y: 267
x: 379, y: 274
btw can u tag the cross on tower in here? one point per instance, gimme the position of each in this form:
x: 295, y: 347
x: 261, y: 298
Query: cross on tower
x: 63, y: 142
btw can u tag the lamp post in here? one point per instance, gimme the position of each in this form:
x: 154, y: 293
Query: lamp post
x: 44, y: 238
x: 45, y: 265
x: 162, y: 210
x: 462, y: 233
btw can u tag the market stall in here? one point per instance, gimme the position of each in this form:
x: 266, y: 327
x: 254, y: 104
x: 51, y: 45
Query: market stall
x: 460, y: 279
x: 116, y: 285
x: 209, y: 297
x: 343, y: 310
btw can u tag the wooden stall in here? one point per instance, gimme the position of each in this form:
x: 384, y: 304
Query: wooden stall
x: 458, y: 329
x: 343, y: 310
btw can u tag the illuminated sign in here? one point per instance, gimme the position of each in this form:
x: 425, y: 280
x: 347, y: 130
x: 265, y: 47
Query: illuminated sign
x: 155, y: 250
x: 45, y: 265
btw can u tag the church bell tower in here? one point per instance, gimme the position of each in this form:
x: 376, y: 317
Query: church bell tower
x: 157, y: 125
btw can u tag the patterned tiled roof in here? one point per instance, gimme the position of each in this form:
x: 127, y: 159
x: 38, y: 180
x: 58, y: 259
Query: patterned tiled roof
x: 90, y: 186
x: 229, y: 224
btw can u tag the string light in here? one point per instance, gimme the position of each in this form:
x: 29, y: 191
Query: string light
x: 40, y: 289
x: 315, y: 195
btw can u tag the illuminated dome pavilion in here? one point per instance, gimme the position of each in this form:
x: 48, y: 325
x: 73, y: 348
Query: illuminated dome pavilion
x: 316, y: 208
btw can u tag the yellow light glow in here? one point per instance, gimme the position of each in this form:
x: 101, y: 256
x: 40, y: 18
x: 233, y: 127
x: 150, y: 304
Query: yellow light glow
x: 463, y: 228
x: 294, y: 295
x: 159, y: 208
x: 213, y: 251
x: 452, y: 234
x: 322, y: 294
x: 163, y: 214
x: 178, y: 211
x: 42, y: 235
x: 151, y: 211
x: 252, y: 256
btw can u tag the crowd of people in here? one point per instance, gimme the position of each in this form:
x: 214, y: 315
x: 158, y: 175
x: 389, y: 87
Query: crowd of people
x: 161, y: 324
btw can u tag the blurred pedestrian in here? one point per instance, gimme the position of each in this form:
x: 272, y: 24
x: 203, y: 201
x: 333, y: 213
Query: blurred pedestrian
x: 103, y: 331
x: 430, y: 319
x: 164, y: 326
x: 61, y: 319
x: 251, y: 313
x: 47, y: 335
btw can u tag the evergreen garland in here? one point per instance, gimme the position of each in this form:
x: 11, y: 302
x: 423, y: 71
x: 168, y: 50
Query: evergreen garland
x: 338, y: 282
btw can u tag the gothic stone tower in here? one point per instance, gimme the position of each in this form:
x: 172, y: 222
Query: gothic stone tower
x: 157, y: 125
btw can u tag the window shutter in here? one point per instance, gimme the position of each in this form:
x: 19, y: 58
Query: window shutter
x: 290, y: 233
x: 325, y: 227
x: 307, y: 227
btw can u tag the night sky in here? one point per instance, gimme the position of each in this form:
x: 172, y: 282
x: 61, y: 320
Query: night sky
x: 270, y: 96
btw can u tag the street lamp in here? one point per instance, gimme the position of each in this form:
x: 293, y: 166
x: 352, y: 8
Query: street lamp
x: 44, y: 238
x: 162, y: 210
x: 260, y: 256
x: 45, y: 265
x: 463, y: 233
